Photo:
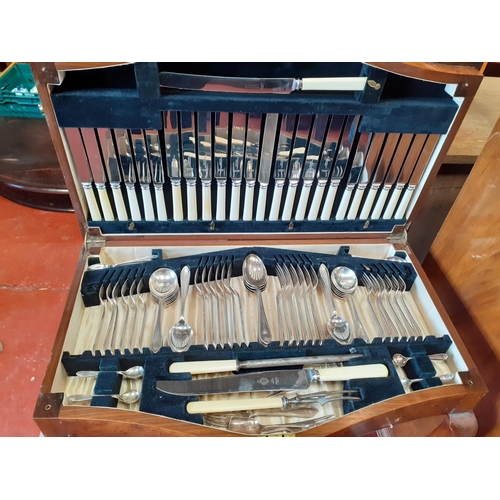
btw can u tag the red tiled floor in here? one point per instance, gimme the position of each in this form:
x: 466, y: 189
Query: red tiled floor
x: 38, y: 255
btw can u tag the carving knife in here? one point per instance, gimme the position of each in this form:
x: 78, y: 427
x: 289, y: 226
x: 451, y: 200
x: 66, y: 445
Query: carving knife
x: 205, y: 162
x: 266, y: 162
x: 251, y: 159
x: 341, y: 161
x: 234, y: 365
x: 142, y: 162
x: 405, y: 174
x: 279, y: 380
x: 158, y: 177
x: 221, y: 163
x: 259, y: 85
x: 98, y: 173
x: 418, y: 172
x: 282, y: 161
x: 237, y: 162
x: 392, y: 173
x: 172, y: 151
x: 127, y: 164
x: 366, y: 174
x: 77, y: 149
x: 296, y: 163
x: 311, y: 163
x: 326, y: 163
x: 189, y: 162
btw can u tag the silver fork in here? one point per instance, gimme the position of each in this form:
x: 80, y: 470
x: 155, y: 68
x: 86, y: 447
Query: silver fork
x: 314, y: 286
x: 237, y: 298
x: 200, y: 292
x: 102, y: 293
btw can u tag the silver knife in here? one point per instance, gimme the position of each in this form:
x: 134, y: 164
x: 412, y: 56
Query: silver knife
x: 251, y: 159
x: 141, y: 159
x: 311, y: 163
x: 282, y: 162
x: 259, y: 85
x: 237, y: 162
x: 127, y: 165
x: 326, y: 163
x: 172, y: 151
x: 279, y: 380
x: 405, y: 174
x: 340, y: 166
x: 221, y: 162
x: 77, y: 150
x: 205, y: 162
x: 158, y: 172
x: 98, y: 173
x: 296, y: 163
x: 266, y: 162
x: 429, y: 149
x: 189, y: 162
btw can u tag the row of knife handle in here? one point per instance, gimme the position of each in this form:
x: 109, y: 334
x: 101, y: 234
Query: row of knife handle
x: 384, y: 152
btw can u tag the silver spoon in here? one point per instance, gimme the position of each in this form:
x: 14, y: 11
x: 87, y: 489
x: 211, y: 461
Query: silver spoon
x: 448, y: 377
x: 127, y: 397
x: 181, y: 335
x: 255, y: 278
x: 162, y: 283
x: 401, y: 360
x: 337, y: 327
x: 133, y: 373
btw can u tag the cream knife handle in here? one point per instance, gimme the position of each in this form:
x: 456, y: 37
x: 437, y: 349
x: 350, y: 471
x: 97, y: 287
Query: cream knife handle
x: 326, y: 213
x: 234, y: 212
x: 356, y: 202
x: 339, y: 84
x: 344, y: 203
x: 248, y: 207
x: 161, y: 209
x: 106, y: 206
x: 149, y: 213
x: 191, y: 201
x: 206, y: 201
x: 135, y: 212
x: 368, y: 204
x: 316, y: 202
x: 289, y: 201
x: 403, y: 206
x: 95, y: 213
x: 225, y: 405
x: 220, y: 213
x: 274, y: 213
x: 177, y: 202
x: 341, y: 373
x: 261, y: 203
x: 197, y: 367
x: 380, y: 202
x: 393, y: 201
x: 121, y: 211
x: 303, y: 199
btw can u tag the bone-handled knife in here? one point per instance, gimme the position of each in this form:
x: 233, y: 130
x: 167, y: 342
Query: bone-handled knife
x: 98, y: 172
x: 405, y: 174
x: 281, y: 163
x: 326, y: 162
x: 279, y: 380
x: 296, y: 163
x: 388, y: 148
x: 141, y: 160
x: 392, y: 173
x: 418, y: 172
x: 158, y: 172
x: 221, y: 162
x: 251, y: 159
x: 266, y: 162
x: 77, y: 150
x: 189, y: 162
x: 205, y: 162
x: 237, y: 161
x: 127, y: 164
x: 311, y: 163
x: 172, y: 152
x: 366, y: 174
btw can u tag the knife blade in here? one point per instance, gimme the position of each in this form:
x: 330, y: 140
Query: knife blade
x: 302, y: 134
x: 173, y: 158
x: 266, y: 162
x: 237, y: 161
x: 234, y: 365
x: 340, y: 166
x: 77, y: 150
x: 221, y: 162
x: 158, y: 173
x: 326, y: 162
x: 404, y: 176
x: 189, y: 163
x: 251, y: 159
x: 311, y: 163
x: 142, y: 161
x: 429, y: 149
x: 279, y: 380
x: 98, y: 173
x: 258, y: 85
x: 204, y: 135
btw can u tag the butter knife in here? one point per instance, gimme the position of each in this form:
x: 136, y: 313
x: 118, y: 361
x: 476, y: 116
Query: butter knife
x: 251, y: 159
x: 237, y: 162
x: 189, y: 164
x: 77, y: 152
x: 142, y: 162
x: 172, y: 151
x: 205, y: 162
x: 98, y: 173
x: 158, y: 172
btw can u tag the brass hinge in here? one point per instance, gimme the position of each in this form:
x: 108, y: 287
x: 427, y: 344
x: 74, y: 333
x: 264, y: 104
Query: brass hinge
x: 399, y: 236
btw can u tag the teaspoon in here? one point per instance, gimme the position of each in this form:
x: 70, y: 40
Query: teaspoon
x: 127, y: 397
x: 181, y: 334
x: 406, y: 382
x: 401, y: 360
x: 132, y: 373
